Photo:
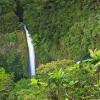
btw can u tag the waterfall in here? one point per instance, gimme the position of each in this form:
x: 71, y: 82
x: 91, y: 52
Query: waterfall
x: 31, y: 51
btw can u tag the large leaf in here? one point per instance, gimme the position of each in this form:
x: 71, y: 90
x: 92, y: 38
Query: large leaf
x: 92, y: 54
x: 97, y: 53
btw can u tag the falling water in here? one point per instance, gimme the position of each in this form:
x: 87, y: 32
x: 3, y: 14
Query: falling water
x: 31, y: 52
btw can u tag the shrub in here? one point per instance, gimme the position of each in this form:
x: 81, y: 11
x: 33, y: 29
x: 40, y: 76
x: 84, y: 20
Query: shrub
x: 6, y: 84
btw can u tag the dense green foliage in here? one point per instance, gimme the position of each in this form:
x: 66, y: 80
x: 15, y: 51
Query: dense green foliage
x: 13, y: 53
x: 8, y: 19
x: 6, y: 84
x: 61, y: 30
x: 62, y: 80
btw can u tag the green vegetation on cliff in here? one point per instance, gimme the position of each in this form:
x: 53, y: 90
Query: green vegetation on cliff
x: 62, y: 31
x: 13, y: 56
x: 8, y: 19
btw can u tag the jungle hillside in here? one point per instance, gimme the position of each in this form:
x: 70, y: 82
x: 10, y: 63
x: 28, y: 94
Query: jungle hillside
x: 65, y: 35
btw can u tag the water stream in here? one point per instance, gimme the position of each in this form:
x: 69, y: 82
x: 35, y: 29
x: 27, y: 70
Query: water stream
x: 31, y: 52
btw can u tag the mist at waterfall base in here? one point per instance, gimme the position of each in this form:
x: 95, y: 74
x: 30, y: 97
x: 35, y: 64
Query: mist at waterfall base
x: 31, y: 52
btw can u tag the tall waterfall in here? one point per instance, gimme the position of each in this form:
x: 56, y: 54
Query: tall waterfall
x: 31, y: 52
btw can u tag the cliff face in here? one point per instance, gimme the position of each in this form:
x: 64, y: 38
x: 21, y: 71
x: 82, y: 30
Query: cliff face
x: 13, y: 53
x: 63, y: 29
x: 60, y: 29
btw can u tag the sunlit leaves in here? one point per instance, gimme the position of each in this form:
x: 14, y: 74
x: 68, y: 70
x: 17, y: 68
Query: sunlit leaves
x: 34, y: 81
x: 57, y: 78
x: 75, y: 80
x: 6, y: 84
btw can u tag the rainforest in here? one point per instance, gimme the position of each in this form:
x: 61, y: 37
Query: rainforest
x: 49, y: 49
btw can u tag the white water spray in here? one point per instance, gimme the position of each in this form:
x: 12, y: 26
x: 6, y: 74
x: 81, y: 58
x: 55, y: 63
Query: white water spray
x: 31, y: 52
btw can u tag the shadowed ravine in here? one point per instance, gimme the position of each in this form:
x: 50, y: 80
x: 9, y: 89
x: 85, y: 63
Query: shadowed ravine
x: 31, y: 54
